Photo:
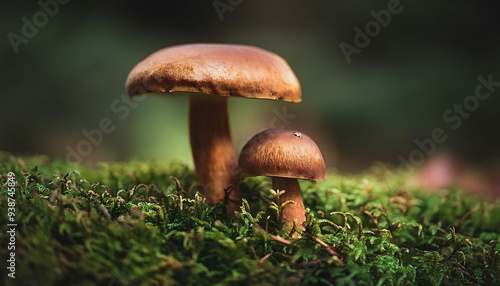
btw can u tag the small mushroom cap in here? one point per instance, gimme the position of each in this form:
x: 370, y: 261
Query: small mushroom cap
x: 282, y: 153
x: 216, y: 69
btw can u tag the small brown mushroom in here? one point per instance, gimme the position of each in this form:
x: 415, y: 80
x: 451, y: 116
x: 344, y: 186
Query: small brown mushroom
x: 212, y: 73
x: 285, y: 156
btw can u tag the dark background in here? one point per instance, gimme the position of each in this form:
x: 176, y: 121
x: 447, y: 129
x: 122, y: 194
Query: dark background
x: 396, y: 90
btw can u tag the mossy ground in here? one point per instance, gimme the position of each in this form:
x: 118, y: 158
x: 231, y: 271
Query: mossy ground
x: 144, y: 224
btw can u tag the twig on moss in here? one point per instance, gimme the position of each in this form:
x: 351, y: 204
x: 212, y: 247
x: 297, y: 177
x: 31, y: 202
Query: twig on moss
x: 271, y: 254
x: 262, y: 232
x: 327, y: 247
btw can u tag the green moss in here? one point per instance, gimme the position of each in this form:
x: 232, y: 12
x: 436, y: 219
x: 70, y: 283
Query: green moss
x: 144, y: 224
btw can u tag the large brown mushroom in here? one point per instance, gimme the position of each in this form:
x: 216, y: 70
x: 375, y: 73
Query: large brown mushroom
x: 285, y: 156
x: 212, y: 73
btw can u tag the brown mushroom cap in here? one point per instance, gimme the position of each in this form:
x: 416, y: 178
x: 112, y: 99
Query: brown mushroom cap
x: 216, y: 69
x: 282, y: 153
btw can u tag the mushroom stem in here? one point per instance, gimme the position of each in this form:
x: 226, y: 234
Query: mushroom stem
x: 212, y: 148
x: 292, y: 193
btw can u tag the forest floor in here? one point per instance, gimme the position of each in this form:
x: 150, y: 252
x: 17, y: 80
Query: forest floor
x: 138, y: 223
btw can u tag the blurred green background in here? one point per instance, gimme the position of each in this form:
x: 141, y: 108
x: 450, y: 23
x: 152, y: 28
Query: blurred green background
x: 65, y: 78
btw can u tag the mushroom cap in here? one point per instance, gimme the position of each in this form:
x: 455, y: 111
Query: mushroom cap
x: 282, y: 153
x: 216, y: 69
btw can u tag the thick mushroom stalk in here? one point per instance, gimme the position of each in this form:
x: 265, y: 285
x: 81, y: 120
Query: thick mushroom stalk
x: 292, y: 213
x: 212, y: 148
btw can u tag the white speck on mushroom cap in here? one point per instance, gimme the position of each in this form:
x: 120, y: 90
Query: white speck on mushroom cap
x: 275, y: 153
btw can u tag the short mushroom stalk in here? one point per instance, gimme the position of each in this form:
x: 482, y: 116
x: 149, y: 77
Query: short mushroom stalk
x: 292, y: 213
x: 212, y: 148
